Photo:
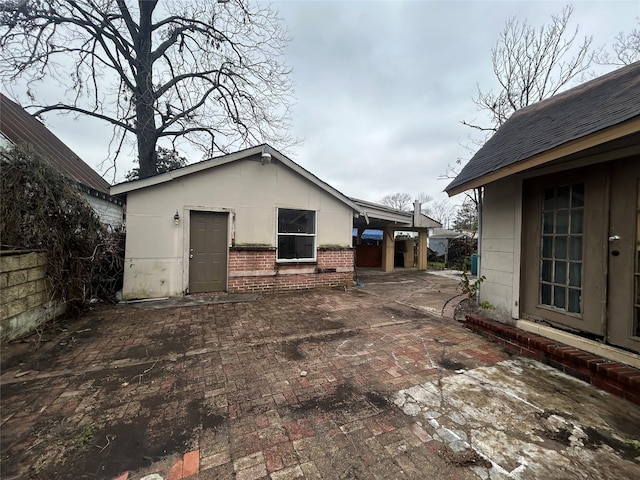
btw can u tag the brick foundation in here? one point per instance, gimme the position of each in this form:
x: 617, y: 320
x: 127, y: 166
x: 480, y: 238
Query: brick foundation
x: 613, y: 377
x: 255, y: 269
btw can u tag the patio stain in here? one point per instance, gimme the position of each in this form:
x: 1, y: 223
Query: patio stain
x: 291, y: 350
x: 131, y: 444
x: 451, y: 365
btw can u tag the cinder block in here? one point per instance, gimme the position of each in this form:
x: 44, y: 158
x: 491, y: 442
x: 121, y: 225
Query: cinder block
x: 11, y: 294
x: 17, y: 277
x: 36, y: 273
x: 10, y: 263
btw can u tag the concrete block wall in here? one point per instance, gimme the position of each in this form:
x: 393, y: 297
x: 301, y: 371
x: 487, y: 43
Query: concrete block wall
x: 256, y: 269
x: 24, y: 301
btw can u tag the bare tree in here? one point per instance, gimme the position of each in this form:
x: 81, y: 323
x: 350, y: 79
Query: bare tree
x: 425, y: 203
x: 444, y: 212
x: 206, y: 72
x: 532, y: 64
x: 399, y: 201
x: 626, y: 49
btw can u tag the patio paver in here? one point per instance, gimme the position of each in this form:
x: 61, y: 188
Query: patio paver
x: 365, y: 383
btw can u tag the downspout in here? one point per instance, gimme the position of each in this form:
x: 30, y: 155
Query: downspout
x: 479, y: 194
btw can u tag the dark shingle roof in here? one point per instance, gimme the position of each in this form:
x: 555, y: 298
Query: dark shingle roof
x: 593, y: 106
x: 19, y: 127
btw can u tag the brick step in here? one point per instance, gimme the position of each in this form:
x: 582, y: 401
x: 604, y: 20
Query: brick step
x: 613, y: 377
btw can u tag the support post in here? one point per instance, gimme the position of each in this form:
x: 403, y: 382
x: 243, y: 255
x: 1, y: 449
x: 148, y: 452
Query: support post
x: 388, y: 249
x: 422, y: 250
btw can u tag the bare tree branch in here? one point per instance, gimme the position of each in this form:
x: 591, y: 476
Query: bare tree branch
x: 209, y: 72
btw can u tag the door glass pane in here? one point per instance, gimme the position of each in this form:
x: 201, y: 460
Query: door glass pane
x: 560, y: 273
x: 561, y: 241
x: 547, y: 247
x: 547, y: 222
x: 577, y: 221
x: 562, y: 197
x: 559, y: 297
x: 545, y: 294
x: 562, y: 221
x: 574, y: 300
x: 547, y: 268
x: 561, y: 247
x: 575, y: 250
x: 577, y: 196
x: 575, y: 274
x: 549, y: 199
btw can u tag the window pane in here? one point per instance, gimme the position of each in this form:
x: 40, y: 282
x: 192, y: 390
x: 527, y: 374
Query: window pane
x: 549, y: 199
x: 546, y: 270
x: 560, y: 272
x: 547, y: 223
x: 562, y: 197
x: 295, y: 247
x: 561, y: 247
x: 545, y: 294
x: 296, y: 221
x: 562, y: 221
x: 558, y: 296
x: 547, y: 244
x: 574, y: 300
x: 575, y: 274
x: 577, y: 196
x: 575, y: 248
x: 577, y: 217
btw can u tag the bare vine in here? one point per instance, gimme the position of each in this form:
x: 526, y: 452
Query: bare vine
x: 42, y: 210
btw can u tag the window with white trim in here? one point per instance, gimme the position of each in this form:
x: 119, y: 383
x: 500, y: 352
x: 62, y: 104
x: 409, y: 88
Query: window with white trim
x: 296, y: 235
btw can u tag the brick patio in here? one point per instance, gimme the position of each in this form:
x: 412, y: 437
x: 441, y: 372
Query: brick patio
x: 287, y: 386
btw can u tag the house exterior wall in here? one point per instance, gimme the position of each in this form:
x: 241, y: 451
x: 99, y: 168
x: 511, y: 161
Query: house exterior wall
x: 108, y: 212
x: 500, y: 247
x: 250, y: 193
x: 256, y: 269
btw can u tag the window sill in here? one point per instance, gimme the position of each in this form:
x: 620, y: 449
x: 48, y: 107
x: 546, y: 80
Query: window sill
x: 252, y: 248
x: 286, y: 261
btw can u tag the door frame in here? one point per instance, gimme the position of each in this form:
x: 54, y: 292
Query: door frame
x: 186, y: 235
x: 594, y: 275
x: 625, y: 190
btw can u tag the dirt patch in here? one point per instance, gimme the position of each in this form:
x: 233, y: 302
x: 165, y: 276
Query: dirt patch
x: 464, y: 458
x: 108, y: 450
x: 291, y: 351
x: 627, y: 450
x: 400, y: 313
x: 345, y: 398
x: 112, y: 379
x: 448, y: 364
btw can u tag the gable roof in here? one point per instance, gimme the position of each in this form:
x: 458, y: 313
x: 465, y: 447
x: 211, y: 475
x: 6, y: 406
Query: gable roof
x: 18, y: 126
x: 600, y: 104
x: 255, y: 152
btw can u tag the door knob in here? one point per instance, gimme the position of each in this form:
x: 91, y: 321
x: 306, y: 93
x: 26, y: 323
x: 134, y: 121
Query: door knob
x: 190, y: 256
x: 613, y: 238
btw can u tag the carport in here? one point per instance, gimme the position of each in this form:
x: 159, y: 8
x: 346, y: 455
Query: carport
x: 390, y: 220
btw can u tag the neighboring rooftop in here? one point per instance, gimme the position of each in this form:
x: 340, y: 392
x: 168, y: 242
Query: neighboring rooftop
x: 604, y: 102
x: 18, y: 126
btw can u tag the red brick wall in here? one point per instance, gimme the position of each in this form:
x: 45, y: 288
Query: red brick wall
x: 252, y: 270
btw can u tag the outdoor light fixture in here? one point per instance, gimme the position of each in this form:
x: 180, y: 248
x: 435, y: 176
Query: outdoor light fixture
x: 176, y: 218
x: 266, y: 156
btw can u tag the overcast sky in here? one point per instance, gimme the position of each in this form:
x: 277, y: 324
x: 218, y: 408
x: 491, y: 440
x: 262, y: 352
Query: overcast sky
x: 381, y: 86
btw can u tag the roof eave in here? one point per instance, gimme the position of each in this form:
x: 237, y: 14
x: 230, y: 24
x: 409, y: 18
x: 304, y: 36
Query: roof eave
x: 575, y: 146
x: 124, y: 188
